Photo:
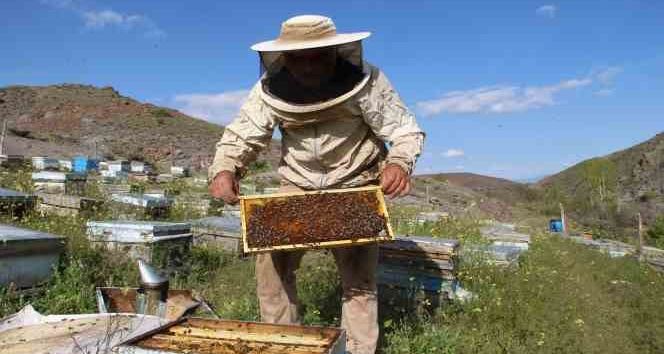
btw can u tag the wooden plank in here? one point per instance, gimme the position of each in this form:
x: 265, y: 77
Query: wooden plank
x: 248, y: 336
x: 199, y: 335
x: 181, y: 344
x: 416, y: 262
x: 417, y: 255
x: 322, y: 191
x: 263, y: 327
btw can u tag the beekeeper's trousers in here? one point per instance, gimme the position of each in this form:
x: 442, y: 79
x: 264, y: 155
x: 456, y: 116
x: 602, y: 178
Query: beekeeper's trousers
x: 277, y: 293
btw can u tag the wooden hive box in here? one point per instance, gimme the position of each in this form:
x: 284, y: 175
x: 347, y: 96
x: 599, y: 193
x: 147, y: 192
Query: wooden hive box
x: 424, y: 261
x: 198, y: 335
x: 372, y: 196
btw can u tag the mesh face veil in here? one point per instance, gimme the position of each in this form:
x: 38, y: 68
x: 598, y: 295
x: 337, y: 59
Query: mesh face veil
x: 312, y: 76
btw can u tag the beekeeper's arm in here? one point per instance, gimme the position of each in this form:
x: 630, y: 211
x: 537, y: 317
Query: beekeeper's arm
x: 392, y: 122
x: 242, y: 141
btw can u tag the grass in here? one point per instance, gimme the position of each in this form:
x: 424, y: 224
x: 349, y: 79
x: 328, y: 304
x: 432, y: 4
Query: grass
x: 562, y: 298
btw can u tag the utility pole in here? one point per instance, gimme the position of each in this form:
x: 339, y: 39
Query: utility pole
x: 2, y: 137
x: 639, y: 228
x: 172, y: 155
x: 563, y: 219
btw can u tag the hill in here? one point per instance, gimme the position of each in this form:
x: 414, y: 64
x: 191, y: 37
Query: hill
x: 629, y: 180
x: 467, y: 193
x: 69, y: 119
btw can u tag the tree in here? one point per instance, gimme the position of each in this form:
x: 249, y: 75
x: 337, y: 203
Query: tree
x: 599, y: 177
x: 656, y: 232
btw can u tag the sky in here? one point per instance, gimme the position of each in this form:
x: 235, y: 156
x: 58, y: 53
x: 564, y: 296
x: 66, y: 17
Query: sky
x: 514, y: 89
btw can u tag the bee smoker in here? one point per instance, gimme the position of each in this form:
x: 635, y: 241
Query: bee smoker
x: 155, y: 290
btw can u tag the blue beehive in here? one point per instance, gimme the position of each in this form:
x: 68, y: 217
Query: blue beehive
x: 83, y: 164
x: 555, y: 225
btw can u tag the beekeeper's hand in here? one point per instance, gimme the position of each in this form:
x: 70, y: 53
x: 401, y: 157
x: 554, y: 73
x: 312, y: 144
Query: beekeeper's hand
x: 394, y: 181
x: 225, y: 186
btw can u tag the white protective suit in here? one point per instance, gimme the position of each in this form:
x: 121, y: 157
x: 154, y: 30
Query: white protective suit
x: 335, y: 144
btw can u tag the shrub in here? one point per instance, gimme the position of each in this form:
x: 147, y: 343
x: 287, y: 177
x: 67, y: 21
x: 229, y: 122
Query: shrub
x: 656, y: 232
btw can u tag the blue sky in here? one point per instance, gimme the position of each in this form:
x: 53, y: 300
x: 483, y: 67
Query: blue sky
x: 515, y: 89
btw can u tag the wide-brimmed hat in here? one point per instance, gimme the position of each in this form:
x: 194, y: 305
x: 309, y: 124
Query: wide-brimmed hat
x: 307, y: 32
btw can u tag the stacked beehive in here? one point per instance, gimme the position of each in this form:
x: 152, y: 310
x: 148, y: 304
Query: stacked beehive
x: 417, y: 270
x: 163, y: 244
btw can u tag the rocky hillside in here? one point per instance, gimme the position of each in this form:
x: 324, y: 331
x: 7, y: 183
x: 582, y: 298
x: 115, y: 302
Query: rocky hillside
x: 65, y: 120
x: 467, y: 194
x: 634, y: 177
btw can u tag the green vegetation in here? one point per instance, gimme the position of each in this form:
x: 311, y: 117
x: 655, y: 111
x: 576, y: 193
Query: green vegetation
x: 161, y: 112
x: 19, y: 179
x: 562, y: 298
x: 404, y: 222
x: 656, y: 232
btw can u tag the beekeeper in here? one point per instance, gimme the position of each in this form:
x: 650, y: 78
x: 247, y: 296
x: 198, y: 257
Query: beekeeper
x: 337, y: 114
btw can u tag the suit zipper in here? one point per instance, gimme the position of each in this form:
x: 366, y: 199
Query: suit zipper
x: 317, y: 157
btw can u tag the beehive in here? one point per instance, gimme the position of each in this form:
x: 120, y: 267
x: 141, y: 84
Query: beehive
x: 197, y: 335
x: 163, y: 244
x: 414, y: 273
x: 318, y: 219
x: 27, y: 257
x: 222, y: 232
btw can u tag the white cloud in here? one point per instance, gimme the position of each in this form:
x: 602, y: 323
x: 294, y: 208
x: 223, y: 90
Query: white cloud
x: 216, y: 107
x: 58, y: 3
x: 547, y: 11
x: 604, y: 92
x: 606, y: 76
x: 100, y: 19
x: 498, y: 99
x: 453, y: 153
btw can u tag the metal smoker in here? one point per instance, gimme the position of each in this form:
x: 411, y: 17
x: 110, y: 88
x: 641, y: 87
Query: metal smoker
x: 154, y: 288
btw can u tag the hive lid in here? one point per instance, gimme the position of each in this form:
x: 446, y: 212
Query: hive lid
x: 230, y: 223
x: 19, y: 241
x: 49, y: 176
x: 136, y: 231
x: 8, y: 193
x: 11, y: 234
x: 422, y: 244
x: 141, y: 200
x: 142, y: 225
